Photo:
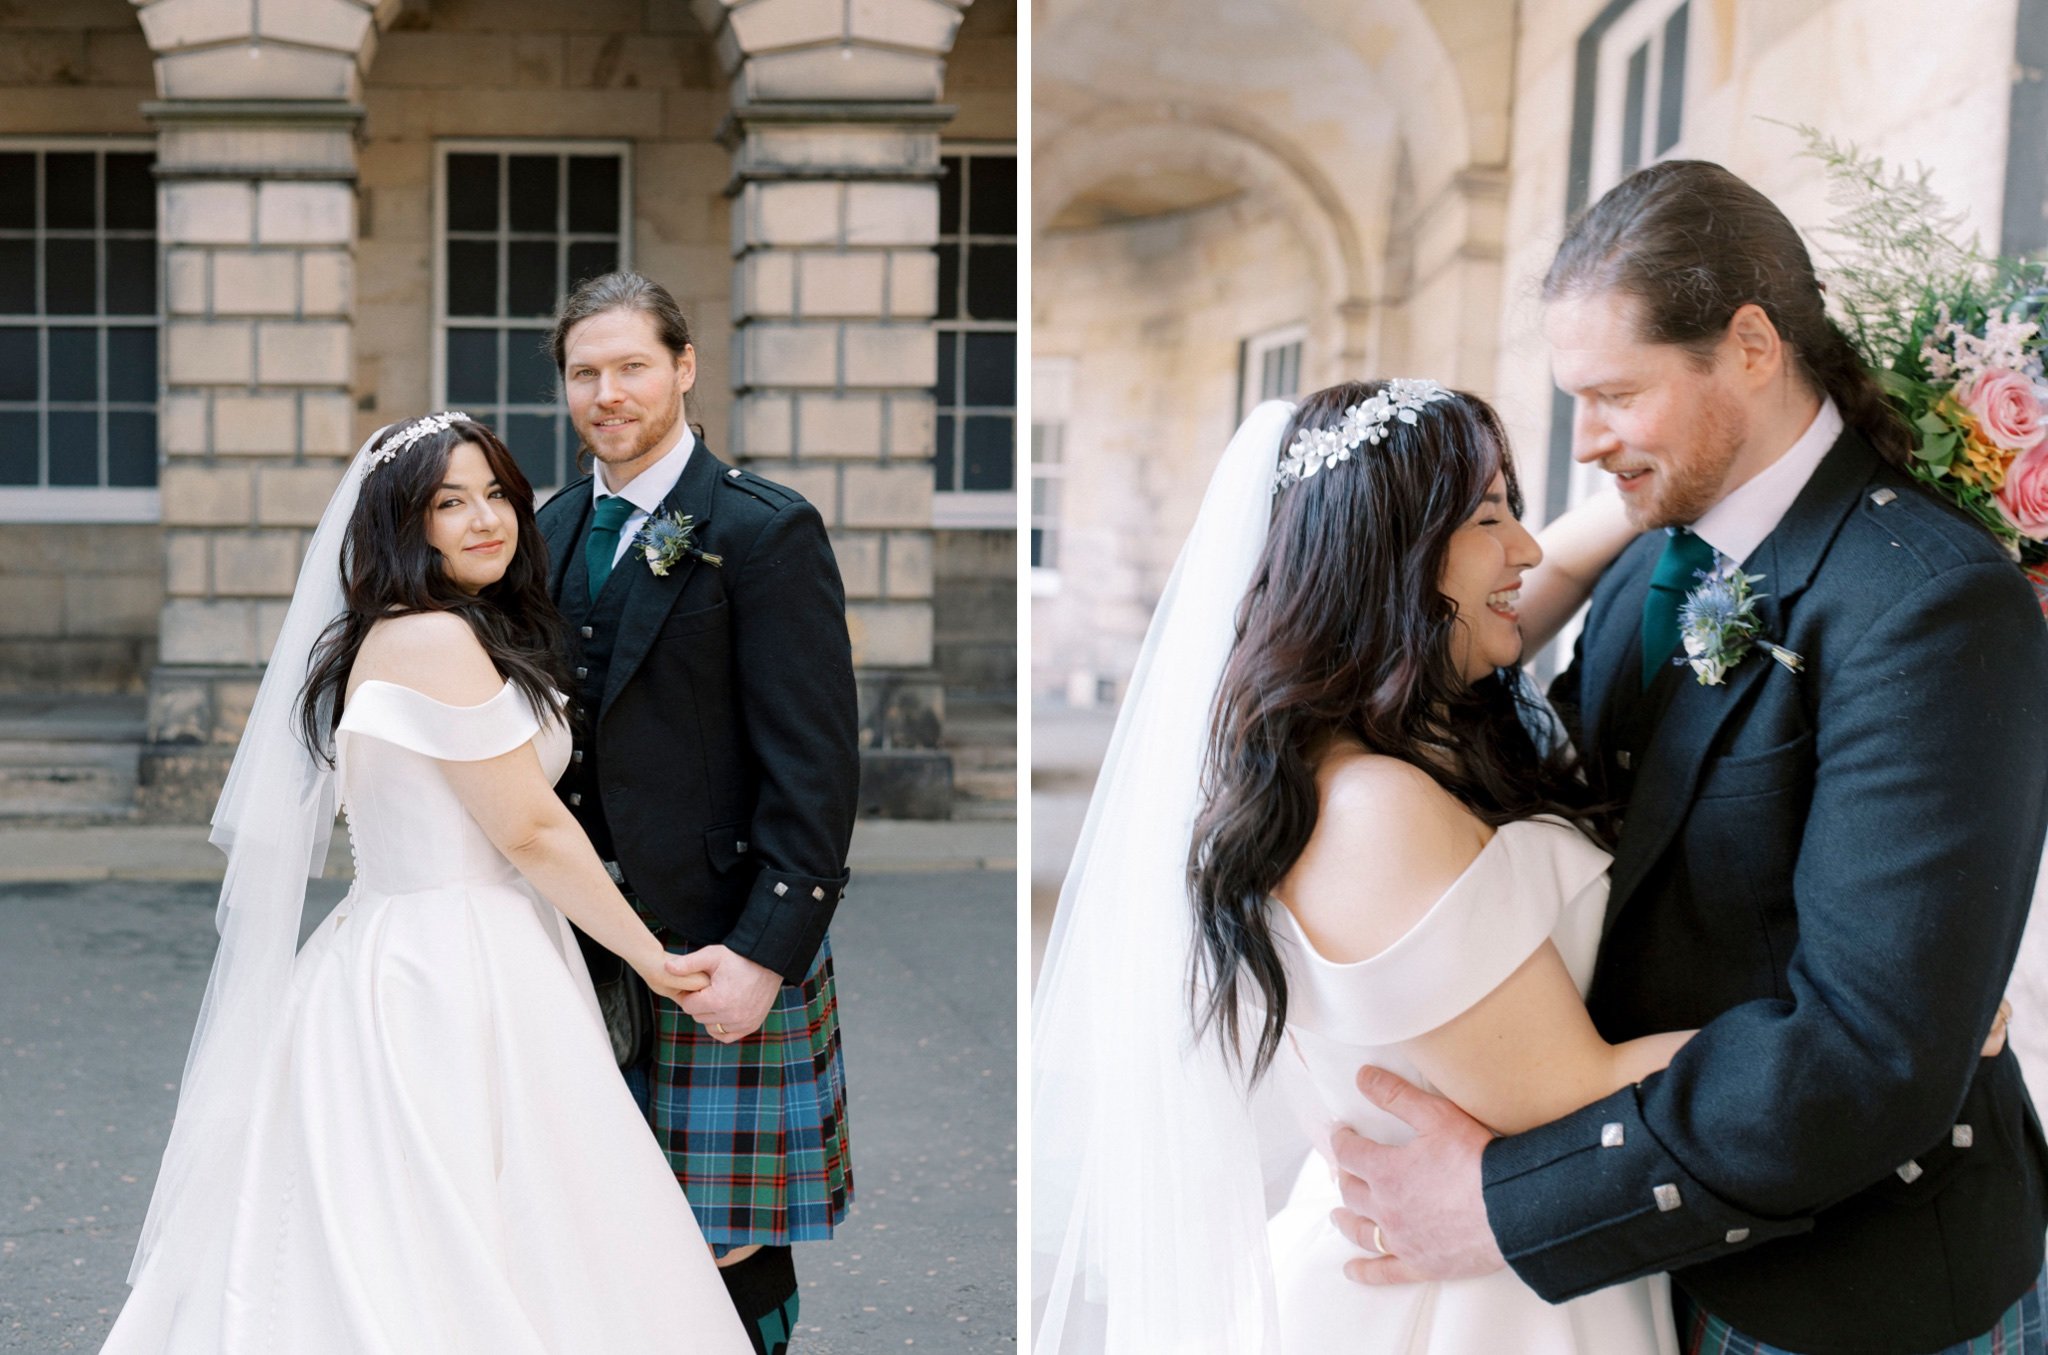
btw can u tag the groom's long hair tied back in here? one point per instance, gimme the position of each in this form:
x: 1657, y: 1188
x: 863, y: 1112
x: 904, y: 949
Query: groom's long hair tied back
x: 388, y: 567
x: 1345, y: 633
x: 1693, y: 244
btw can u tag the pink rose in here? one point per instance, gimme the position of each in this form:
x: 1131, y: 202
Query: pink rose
x: 2006, y: 409
x: 2025, y: 495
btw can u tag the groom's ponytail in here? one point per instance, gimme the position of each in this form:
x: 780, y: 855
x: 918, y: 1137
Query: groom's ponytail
x: 1694, y: 244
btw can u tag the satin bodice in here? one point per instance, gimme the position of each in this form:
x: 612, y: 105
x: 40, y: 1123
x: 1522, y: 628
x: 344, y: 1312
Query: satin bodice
x: 407, y: 828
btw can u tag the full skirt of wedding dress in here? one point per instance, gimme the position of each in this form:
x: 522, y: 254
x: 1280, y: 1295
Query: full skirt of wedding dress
x: 445, y: 1159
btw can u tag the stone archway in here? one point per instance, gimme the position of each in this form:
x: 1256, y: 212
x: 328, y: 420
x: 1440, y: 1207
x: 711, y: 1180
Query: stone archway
x: 1223, y: 145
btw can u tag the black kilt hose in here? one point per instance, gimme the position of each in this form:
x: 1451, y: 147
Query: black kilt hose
x: 717, y: 764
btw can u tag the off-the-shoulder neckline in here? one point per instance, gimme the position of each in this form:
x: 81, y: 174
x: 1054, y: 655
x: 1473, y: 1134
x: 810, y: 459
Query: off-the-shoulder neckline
x: 1451, y: 891
x: 493, y: 699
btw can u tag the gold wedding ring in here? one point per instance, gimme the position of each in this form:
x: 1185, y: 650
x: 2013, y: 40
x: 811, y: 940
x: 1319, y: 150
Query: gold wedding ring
x: 1379, y: 1244
x: 718, y: 1027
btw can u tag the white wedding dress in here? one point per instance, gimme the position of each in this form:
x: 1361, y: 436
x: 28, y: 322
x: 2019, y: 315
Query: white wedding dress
x: 442, y: 1157
x: 1535, y: 879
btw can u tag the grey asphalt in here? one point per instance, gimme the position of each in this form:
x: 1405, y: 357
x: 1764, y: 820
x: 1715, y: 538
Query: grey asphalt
x: 100, y: 981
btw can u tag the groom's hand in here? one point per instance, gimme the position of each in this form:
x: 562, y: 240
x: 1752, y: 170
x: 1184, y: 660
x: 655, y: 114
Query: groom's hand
x: 1425, y: 1196
x: 739, y: 997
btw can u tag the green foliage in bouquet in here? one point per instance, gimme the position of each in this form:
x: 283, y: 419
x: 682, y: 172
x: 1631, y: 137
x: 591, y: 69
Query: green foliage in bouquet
x: 1952, y: 334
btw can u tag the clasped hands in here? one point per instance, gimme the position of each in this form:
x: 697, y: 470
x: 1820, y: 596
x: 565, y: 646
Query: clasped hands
x: 728, y: 994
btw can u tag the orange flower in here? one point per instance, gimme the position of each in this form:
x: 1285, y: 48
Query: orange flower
x: 1979, y: 461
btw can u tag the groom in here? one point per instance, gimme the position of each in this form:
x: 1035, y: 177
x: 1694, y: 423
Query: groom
x: 715, y: 770
x: 1824, y: 863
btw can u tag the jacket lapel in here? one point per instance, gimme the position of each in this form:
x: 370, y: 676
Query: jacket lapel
x: 1612, y: 653
x: 1670, y: 773
x: 564, y: 528
x: 649, y: 596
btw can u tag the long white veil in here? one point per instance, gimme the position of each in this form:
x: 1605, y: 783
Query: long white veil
x: 274, y: 820
x: 1148, y: 1202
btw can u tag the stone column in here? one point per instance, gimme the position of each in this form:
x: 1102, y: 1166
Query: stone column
x: 257, y: 205
x: 834, y: 131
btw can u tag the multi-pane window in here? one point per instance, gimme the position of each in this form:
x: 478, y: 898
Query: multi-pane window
x: 1641, y: 113
x: 1052, y: 392
x: 78, y: 323
x: 521, y: 224
x: 975, y: 451
x: 1048, y: 473
x: 1269, y: 367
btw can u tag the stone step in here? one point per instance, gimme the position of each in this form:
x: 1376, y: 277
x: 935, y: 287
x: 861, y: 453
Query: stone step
x: 981, y: 738
x: 67, y: 780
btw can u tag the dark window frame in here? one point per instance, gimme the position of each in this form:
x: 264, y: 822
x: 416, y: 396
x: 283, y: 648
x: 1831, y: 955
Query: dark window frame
x: 50, y: 498
x: 954, y: 504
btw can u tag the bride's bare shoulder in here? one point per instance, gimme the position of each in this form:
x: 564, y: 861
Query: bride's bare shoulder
x: 1388, y: 842
x: 435, y: 653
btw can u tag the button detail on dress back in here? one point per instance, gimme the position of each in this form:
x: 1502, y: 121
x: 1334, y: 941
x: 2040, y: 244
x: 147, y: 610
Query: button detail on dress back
x: 1962, y: 1136
x: 1910, y: 1173
x: 575, y: 797
x: 1667, y: 1198
x: 587, y: 631
x: 1736, y: 1235
x: 1612, y: 1135
x: 1883, y: 497
x: 780, y: 889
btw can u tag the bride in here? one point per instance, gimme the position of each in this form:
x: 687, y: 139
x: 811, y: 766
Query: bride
x: 411, y: 1135
x: 1334, y: 827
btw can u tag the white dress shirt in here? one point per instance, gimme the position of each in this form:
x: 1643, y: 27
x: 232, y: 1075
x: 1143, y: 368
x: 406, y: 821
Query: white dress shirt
x: 1738, y: 524
x: 646, y: 490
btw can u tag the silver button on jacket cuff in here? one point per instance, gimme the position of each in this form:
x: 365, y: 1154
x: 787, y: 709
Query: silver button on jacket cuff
x: 1594, y: 1199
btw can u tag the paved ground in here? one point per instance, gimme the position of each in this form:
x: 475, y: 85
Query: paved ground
x: 100, y: 979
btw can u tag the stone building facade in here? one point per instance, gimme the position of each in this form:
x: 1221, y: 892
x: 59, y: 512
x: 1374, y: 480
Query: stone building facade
x: 1237, y: 199
x: 365, y: 209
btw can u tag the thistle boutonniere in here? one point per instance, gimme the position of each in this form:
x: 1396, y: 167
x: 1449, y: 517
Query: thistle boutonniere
x: 663, y: 540
x: 1718, y: 625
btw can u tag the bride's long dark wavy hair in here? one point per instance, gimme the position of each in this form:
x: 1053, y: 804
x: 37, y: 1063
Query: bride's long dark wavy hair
x: 388, y: 568
x: 1345, y: 633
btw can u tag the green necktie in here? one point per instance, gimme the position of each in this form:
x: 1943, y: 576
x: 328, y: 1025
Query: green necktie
x: 1685, y: 557
x: 603, y: 542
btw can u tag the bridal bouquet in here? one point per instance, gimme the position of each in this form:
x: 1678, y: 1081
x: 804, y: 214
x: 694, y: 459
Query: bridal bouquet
x: 1955, y: 337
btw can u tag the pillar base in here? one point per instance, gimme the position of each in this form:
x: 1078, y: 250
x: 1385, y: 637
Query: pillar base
x: 905, y: 772
x: 195, y: 717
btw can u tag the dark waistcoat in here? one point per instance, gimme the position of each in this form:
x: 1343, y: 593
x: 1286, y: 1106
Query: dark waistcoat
x: 593, y: 629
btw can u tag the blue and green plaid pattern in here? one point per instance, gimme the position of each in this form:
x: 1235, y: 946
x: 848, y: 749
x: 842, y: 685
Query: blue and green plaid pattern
x: 2022, y: 1331
x: 755, y: 1130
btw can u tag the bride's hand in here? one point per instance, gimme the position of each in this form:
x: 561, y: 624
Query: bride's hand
x: 655, y: 975
x: 1996, y: 1041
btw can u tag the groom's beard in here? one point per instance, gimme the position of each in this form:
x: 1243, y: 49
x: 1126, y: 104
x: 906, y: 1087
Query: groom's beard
x: 655, y: 429
x: 1688, y: 480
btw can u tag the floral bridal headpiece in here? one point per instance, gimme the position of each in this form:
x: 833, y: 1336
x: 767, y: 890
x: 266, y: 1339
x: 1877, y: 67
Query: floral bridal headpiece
x: 1364, y: 424
x: 413, y: 432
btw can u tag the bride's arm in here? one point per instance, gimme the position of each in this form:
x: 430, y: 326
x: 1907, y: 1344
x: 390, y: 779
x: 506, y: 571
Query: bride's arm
x: 1577, y: 546
x: 1524, y: 1054
x: 510, y: 798
x: 1527, y: 1052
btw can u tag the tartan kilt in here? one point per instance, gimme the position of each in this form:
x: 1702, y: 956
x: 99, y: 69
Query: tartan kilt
x: 755, y: 1130
x: 2023, y: 1330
